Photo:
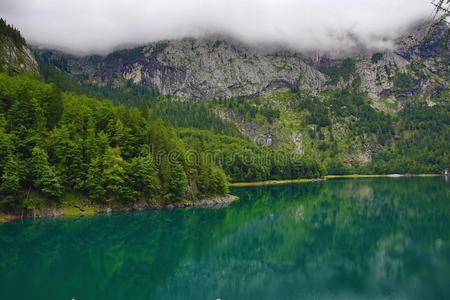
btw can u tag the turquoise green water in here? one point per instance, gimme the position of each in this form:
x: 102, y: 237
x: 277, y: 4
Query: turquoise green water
x: 340, y: 239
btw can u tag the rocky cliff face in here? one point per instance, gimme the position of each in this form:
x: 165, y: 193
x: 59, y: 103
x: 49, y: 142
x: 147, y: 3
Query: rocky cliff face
x: 206, y: 69
x: 201, y: 69
x: 16, y: 58
x: 423, y: 56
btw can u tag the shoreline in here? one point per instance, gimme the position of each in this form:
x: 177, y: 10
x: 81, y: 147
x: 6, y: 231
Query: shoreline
x: 382, y: 175
x: 76, y: 210
x: 273, y: 182
x: 72, y: 210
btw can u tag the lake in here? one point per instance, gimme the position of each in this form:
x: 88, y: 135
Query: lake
x: 379, y: 238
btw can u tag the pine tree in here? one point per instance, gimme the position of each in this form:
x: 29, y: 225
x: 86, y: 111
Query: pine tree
x: 10, y: 181
x: 54, y: 107
x: 220, y: 181
x: 66, y: 154
x: 44, y: 176
x: 93, y: 185
x: 114, y: 177
x: 143, y: 176
x: 6, y: 144
x: 178, y: 182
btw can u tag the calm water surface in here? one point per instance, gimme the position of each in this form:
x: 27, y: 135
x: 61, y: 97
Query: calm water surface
x: 380, y: 238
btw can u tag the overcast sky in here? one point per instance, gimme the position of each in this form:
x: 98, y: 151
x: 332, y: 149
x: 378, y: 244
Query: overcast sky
x: 98, y: 26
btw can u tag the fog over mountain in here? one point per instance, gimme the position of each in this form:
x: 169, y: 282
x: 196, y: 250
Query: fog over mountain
x: 87, y: 26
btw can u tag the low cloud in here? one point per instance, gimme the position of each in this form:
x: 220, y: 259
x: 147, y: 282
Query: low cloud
x: 98, y: 26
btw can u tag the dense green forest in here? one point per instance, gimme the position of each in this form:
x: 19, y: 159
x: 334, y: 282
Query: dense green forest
x: 244, y: 160
x: 422, y: 146
x: 52, y: 143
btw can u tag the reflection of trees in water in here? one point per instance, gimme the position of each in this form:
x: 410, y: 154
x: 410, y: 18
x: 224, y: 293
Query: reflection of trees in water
x: 339, y: 236
x: 121, y: 252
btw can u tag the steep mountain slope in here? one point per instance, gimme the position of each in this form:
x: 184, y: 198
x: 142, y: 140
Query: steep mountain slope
x: 206, y: 69
x: 15, y: 55
x: 419, y: 65
x: 197, y: 69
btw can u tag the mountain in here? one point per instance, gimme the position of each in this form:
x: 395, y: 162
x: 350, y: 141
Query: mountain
x: 382, y: 112
x: 361, y: 113
x: 212, y: 68
x: 15, y: 55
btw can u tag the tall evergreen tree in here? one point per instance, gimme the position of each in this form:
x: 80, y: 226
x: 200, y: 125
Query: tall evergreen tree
x: 44, y: 175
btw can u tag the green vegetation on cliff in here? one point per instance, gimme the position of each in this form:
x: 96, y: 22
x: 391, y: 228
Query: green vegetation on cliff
x: 345, y: 133
x: 9, y: 31
x: 340, y: 71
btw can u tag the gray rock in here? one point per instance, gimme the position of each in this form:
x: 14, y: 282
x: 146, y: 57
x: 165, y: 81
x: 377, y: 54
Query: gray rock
x: 211, y: 68
x: 20, y: 59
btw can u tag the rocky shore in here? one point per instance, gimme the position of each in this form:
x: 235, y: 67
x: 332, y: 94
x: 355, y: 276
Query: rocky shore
x: 74, y: 210
x: 208, y: 202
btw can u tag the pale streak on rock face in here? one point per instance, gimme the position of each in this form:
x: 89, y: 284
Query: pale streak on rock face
x: 374, y: 78
x: 20, y: 59
x: 297, y: 140
x: 134, y: 74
